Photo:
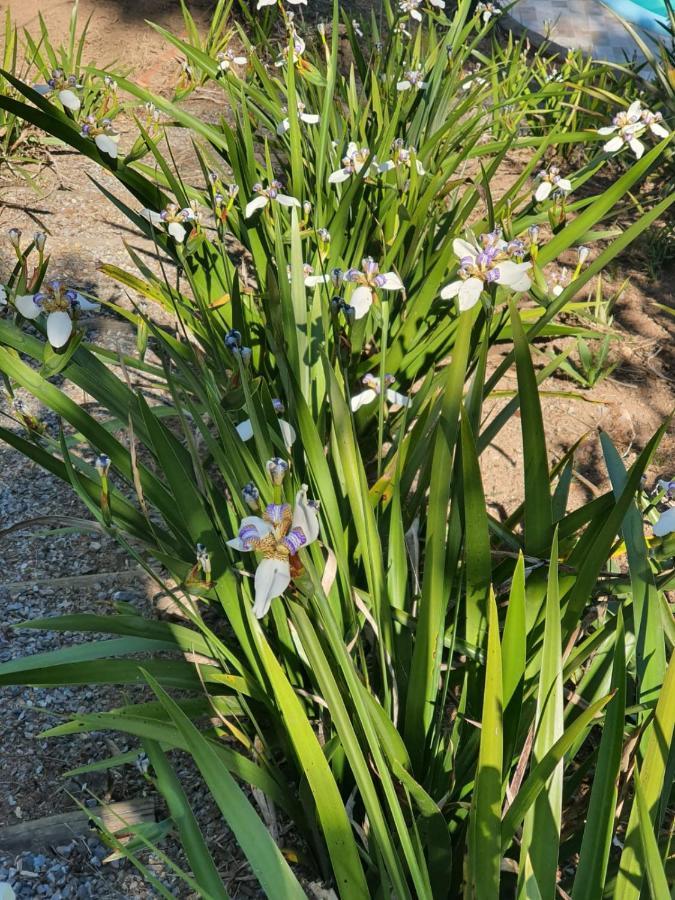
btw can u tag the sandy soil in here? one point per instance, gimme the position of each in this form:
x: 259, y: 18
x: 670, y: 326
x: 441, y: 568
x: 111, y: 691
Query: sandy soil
x: 85, y: 228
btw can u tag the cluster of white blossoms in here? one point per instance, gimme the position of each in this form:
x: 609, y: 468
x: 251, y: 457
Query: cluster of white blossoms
x: 65, y: 88
x: 629, y: 125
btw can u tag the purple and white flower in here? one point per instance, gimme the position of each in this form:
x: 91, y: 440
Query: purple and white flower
x: 482, y: 264
x: 245, y: 428
x: 266, y: 195
x: 60, y: 304
x: 278, y: 535
x: 549, y: 181
x: 629, y: 125
x: 64, y: 87
x: 373, y: 391
x: 369, y: 280
x: 404, y: 157
x: 307, y: 118
x: 102, y: 134
x: 352, y: 162
x: 173, y: 218
x: 413, y: 79
x: 486, y: 11
x: 228, y: 58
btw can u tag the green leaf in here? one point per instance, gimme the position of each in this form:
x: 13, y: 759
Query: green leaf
x: 538, y: 515
x: 485, y: 825
x: 600, y: 824
x: 198, y: 856
x: 269, y: 866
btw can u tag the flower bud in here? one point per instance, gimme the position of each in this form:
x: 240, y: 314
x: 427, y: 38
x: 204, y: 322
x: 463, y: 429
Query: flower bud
x: 14, y: 237
x: 204, y: 560
x: 307, y: 209
x: 324, y: 235
x: 40, y: 239
x: 246, y: 354
x: 233, y: 340
x: 102, y: 465
x: 533, y: 232
x: 277, y: 469
x: 583, y: 254
x: 251, y: 496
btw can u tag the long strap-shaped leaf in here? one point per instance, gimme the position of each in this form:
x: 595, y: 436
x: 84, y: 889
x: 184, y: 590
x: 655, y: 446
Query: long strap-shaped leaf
x: 330, y: 806
x: 485, y: 824
x: 654, y: 768
x: 265, y: 858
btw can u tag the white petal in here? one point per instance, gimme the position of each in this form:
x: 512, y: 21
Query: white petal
x: 635, y: 108
x: 272, y: 577
x: 310, y: 118
x: 287, y: 433
x: 637, y: 147
x: 666, y: 523
x: 305, y: 516
x: 106, y: 143
x: 313, y: 280
x: 42, y: 88
x: 608, y: 129
x: 397, y: 399
x: 615, y: 144
x: 245, y: 430
x: 451, y: 290
x: 469, y: 293
x: 338, y: 176
x: 27, y: 306
x: 363, y: 399
x: 416, y: 14
x: 361, y: 300
x: 420, y: 168
x: 253, y: 205
x: 285, y: 200
x: 463, y: 248
x: 515, y: 275
x: 70, y: 100
x: 151, y: 216
x: 387, y: 166
x: 659, y: 130
x: 239, y: 60
x: 403, y: 85
x: 86, y: 305
x: 283, y: 127
x: 564, y: 184
x: 392, y: 282
x: 352, y: 147
x: 262, y: 3
x: 59, y: 328
x: 543, y: 191
x: 176, y: 231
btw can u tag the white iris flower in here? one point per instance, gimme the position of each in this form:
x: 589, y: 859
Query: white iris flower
x: 277, y: 536
x: 413, y: 80
x: 369, y: 279
x: 549, y: 181
x: 59, y: 304
x: 404, y: 157
x: 245, y: 429
x: 307, y: 118
x: 482, y: 264
x: 628, y: 126
x: 64, y: 88
x: 102, y: 134
x: 373, y: 391
x: 173, y: 217
x: 228, y: 58
x: 486, y: 11
x: 267, y: 195
x: 352, y: 162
